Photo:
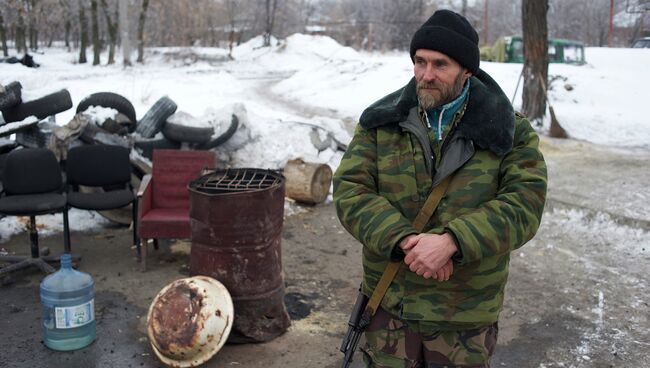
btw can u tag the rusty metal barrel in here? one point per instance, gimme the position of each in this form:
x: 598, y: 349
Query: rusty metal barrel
x: 236, y: 218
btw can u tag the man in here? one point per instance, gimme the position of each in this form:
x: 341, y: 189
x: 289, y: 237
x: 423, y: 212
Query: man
x: 451, y: 119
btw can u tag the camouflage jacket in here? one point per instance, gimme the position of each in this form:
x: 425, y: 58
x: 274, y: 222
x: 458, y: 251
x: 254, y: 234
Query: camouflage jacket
x: 492, y: 206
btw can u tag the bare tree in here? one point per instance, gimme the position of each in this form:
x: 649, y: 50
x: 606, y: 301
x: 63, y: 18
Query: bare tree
x: 232, y: 11
x: 535, y: 35
x: 20, y: 37
x: 271, y: 7
x: 83, y: 33
x: 97, y: 47
x: 143, y: 15
x: 367, y: 24
x: 32, y: 32
x: 111, y: 25
x: 401, y: 20
x: 67, y: 13
x: 125, y: 36
x: 3, y: 36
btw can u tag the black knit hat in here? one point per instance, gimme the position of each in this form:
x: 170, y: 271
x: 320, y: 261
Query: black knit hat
x: 451, y: 34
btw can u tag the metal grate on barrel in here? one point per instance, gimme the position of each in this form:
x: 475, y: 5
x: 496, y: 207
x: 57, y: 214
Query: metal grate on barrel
x: 221, y: 181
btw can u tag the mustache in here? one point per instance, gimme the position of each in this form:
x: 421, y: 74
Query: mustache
x: 423, y: 84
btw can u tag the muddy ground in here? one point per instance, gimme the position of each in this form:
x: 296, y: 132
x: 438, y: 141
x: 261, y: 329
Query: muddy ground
x: 577, y: 297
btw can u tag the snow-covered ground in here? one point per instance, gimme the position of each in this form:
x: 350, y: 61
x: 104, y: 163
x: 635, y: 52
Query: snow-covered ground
x: 306, y: 81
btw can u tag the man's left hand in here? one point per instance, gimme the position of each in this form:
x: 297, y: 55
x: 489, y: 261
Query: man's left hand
x: 431, y: 253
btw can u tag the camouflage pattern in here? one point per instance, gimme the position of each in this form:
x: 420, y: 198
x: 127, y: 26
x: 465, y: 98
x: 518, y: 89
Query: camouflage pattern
x: 395, y: 343
x: 493, y: 206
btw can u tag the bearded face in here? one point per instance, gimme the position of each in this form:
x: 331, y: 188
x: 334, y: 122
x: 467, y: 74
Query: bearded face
x: 440, y: 79
x: 437, y: 93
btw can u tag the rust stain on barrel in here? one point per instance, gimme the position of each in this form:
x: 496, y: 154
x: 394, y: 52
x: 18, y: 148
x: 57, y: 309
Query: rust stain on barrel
x: 177, y: 317
x: 236, y: 239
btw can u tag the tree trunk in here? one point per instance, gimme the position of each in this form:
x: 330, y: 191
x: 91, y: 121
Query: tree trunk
x: 21, y: 44
x: 125, y: 37
x: 97, y: 47
x: 3, y: 37
x: 31, y: 28
x: 68, y: 27
x: 111, y: 24
x: 535, y: 35
x: 143, y: 15
x: 83, y: 33
x: 464, y: 9
x: 271, y: 6
x: 231, y: 10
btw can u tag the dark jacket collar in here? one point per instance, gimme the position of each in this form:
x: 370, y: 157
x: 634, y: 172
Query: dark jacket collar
x: 489, y: 120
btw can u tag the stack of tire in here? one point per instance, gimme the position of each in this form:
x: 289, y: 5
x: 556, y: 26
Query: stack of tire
x: 113, y: 130
x: 21, y: 117
x: 176, y: 133
x: 25, y: 118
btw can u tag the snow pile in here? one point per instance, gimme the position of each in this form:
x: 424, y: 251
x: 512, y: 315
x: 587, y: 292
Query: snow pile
x: 347, y: 86
x: 185, y: 119
x: 269, y: 143
x: 294, y: 53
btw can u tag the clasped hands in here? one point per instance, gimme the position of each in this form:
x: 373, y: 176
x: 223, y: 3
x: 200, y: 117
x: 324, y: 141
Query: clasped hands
x: 429, y: 255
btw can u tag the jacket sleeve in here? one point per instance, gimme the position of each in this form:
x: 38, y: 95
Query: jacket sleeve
x: 512, y: 218
x: 368, y: 216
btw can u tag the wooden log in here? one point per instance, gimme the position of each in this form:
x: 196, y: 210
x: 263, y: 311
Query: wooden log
x: 307, y: 182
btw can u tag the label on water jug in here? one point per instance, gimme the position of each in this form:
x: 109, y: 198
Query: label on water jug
x: 75, y: 316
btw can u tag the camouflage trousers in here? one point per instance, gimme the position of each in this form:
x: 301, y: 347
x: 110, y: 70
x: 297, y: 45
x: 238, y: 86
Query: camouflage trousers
x: 393, y: 343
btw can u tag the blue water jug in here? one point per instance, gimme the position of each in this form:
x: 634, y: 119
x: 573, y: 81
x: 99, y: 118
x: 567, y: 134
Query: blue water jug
x: 68, y: 299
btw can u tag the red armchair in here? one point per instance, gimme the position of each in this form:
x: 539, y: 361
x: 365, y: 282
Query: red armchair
x: 163, y: 196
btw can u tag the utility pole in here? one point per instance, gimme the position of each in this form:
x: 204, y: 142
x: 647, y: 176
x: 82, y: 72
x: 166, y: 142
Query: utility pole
x: 486, y: 41
x: 611, y: 23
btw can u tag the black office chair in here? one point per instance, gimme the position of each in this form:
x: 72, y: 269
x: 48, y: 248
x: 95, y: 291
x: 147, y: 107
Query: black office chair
x: 107, y: 171
x: 31, y: 187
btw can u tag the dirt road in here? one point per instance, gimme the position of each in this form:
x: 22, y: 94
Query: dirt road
x: 578, y: 293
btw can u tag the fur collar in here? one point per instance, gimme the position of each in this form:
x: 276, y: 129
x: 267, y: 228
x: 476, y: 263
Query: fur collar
x: 489, y: 119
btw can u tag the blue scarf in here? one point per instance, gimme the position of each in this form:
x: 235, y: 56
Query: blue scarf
x: 443, y: 115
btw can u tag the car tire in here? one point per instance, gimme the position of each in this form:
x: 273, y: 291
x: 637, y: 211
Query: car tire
x: 153, y: 121
x: 111, y: 100
x: 13, y: 127
x: 43, y: 107
x: 11, y: 96
x: 221, y: 139
x: 185, y: 133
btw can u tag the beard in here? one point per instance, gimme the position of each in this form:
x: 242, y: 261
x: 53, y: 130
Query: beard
x: 446, y: 92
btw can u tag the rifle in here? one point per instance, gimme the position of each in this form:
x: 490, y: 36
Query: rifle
x: 356, y: 325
